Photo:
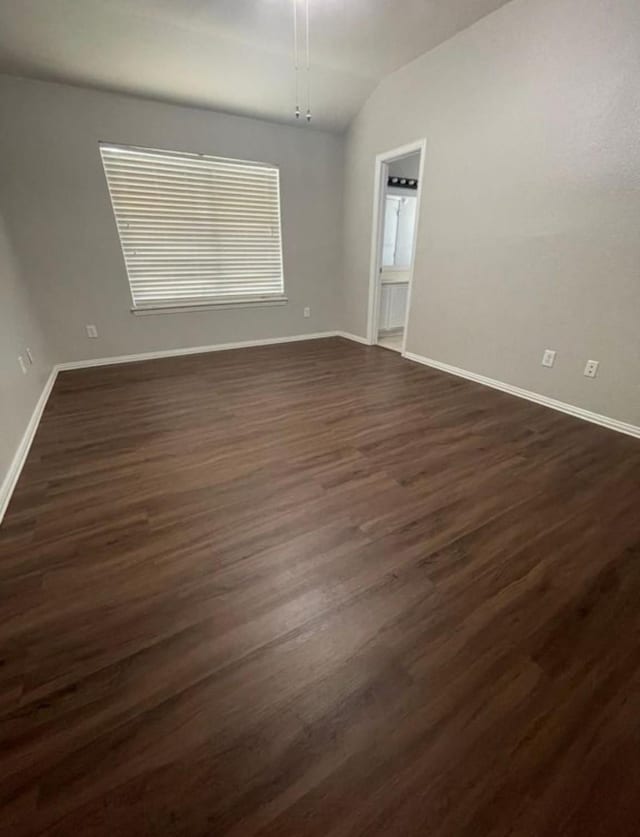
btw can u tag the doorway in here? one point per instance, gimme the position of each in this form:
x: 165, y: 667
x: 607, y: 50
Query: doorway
x: 396, y: 208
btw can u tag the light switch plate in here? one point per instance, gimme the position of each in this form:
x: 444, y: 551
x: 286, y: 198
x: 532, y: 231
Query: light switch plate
x: 549, y: 357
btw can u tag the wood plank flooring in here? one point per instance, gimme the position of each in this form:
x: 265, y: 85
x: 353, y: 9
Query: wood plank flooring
x: 318, y: 590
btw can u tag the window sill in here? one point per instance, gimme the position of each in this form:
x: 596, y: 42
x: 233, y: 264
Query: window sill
x: 210, y: 306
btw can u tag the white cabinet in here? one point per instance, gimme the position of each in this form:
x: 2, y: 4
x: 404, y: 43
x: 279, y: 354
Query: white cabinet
x: 393, y: 304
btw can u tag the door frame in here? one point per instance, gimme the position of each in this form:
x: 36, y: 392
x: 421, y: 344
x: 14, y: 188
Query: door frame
x: 379, y: 190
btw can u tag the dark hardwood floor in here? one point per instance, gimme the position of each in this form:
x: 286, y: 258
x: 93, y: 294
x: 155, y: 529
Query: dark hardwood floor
x: 316, y: 589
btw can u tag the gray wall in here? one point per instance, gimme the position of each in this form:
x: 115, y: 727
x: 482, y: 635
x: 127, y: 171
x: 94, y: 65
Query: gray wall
x: 59, y: 216
x: 19, y: 329
x: 529, y: 233
x: 405, y: 167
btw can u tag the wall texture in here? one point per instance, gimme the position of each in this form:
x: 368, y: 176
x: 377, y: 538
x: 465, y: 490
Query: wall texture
x: 57, y: 209
x: 19, y: 329
x: 528, y: 234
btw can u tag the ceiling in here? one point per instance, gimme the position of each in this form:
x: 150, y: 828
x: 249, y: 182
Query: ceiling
x: 232, y: 55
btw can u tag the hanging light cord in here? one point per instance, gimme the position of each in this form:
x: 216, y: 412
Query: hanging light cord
x: 308, y: 62
x: 295, y: 56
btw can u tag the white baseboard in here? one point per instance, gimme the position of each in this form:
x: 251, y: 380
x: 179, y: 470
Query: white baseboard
x: 194, y: 350
x: 356, y: 338
x: 570, y: 409
x: 15, y: 469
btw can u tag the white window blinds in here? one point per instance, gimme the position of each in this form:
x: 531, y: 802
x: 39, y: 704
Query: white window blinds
x: 195, y: 229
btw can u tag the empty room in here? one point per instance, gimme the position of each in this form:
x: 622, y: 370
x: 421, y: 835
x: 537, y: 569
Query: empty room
x: 320, y: 418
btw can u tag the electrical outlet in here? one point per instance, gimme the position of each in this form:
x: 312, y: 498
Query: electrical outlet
x: 23, y: 365
x: 29, y: 355
x: 92, y: 331
x: 549, y: 357
x: 591, y: 369
x: 307, y: 312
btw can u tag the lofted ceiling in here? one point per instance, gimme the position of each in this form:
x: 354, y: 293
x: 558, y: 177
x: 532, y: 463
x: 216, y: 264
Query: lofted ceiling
x: 232, y: 55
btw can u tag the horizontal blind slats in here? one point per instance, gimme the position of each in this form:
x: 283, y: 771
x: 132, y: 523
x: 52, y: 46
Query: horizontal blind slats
x: 145, y: 198
x: 182, y: 158
x: 185, y: 274
x: 143, y: 158
x: 132, y: 210
x: 195, y: 227
x: 168, y: 182
x: 178, y: 176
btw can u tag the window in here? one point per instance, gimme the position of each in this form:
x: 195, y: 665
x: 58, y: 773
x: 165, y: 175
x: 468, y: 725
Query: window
x: 195, y: 230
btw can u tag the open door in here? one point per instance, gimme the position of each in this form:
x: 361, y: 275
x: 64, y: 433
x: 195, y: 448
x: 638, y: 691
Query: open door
x: 397, y: 198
